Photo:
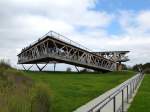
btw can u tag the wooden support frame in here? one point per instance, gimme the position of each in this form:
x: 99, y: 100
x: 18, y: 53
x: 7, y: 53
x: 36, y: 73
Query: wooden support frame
x: 40, y: 69
x: 77, y: 68
x: 54, y: 67
x: 28, y: 68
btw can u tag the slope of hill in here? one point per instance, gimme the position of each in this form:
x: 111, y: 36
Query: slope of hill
x: 19, y: 93
x: 71, y: 90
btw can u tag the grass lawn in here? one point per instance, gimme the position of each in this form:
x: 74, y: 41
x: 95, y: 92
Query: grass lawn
x: 141, y: 102
x: 71, y: 90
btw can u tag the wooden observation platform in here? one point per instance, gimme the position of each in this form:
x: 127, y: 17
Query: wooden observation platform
x: 55, y: 48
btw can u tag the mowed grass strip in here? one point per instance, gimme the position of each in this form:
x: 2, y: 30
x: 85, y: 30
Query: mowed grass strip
x: 141, y: 101
x: 71, y: 90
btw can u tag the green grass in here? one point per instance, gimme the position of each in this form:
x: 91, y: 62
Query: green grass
x: 141, y: 102
x: 71, y: 90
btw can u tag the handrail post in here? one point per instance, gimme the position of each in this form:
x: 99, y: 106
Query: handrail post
x: 130, y: 90
x: 136, y: 83
x: 114, y: 104
x: 122, y: 100
x: 127, y: 94
x: 133, y: 86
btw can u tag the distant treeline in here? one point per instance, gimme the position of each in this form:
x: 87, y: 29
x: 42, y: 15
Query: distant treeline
x: 145, y: 67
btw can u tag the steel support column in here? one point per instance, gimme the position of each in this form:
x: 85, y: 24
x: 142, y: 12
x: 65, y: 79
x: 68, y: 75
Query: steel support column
x: 40, y: 69
x: 54, y: 66
x: 77, y: 68
x: 28, y: 68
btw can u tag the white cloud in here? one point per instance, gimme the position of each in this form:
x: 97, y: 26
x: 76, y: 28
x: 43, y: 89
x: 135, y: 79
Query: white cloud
x: 144, y: 21
x: 137, y: 22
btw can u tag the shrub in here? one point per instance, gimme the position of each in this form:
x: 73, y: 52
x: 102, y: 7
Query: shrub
x: 145, y: 67
x: 14, y: 91
x: 137, y: 67
x: 17, y: 77
x: 5, y: 64
x: 19, y: 103
x: 18, y: 93
x: 41, y: 100
x: 147, y: 70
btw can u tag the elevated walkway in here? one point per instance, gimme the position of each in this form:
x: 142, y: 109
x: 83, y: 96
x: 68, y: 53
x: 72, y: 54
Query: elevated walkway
x: 55, y: 47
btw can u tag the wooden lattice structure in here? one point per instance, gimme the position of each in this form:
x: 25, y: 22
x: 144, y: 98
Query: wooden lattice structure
x: 54, y: 47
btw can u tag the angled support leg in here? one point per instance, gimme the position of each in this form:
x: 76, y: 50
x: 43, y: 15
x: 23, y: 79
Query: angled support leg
x: 24, y: 67
x: 77, y: 68
x: 44, y: 66
x: 40, y: 69
x: 30, y: 67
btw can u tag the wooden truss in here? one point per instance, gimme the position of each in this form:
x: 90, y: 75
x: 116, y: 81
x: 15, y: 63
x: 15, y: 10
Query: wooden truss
x: 54, y: 49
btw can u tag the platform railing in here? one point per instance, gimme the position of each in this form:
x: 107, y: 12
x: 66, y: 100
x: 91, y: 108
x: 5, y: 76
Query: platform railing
x: 62, y: 38
x: 115, y: 99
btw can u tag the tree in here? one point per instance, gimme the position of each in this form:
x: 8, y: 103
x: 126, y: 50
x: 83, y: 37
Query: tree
x: 137, y: 67
x: 146, y: 67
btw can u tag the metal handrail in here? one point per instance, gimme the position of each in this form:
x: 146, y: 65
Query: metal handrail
x: 134, y: 81
x: 115, y: 92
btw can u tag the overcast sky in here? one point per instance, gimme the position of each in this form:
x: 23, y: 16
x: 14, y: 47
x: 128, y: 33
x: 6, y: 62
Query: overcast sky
x: 101, y: 25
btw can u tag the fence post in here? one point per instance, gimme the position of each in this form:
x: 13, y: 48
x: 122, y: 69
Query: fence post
x: 122, y: 100
x: 114, y: 102
x: 130, y: 90
x: 127, y: 94
x: 133, y: 86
